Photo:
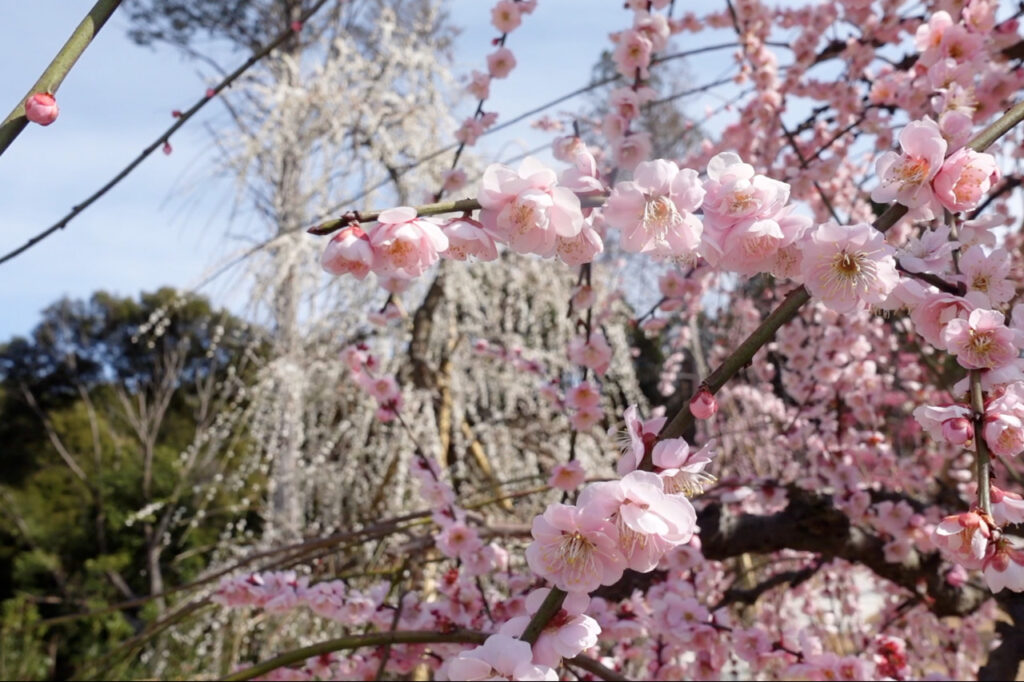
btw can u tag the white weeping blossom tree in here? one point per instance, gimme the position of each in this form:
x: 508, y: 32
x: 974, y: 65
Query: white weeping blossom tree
x: 339, y: 118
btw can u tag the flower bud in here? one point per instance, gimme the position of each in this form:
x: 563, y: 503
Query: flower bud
x: 167, y: 148
x: 703, y: 405
x: 41, y: 108
x: 958, y: 430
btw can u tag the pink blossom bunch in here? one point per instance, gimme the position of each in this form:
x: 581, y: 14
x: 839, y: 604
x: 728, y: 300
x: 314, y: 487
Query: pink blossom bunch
x: 527, y: 209
x: 655, y: 211
x: 746, y: 221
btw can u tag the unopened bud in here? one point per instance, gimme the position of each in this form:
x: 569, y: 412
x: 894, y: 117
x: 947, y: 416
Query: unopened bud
x: 703, y: 405
x: 958, y: 430
x: 167, y: 148
x: 41, y: 108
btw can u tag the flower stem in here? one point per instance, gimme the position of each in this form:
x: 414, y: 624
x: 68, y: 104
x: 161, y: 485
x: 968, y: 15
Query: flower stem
x: 981, y: 460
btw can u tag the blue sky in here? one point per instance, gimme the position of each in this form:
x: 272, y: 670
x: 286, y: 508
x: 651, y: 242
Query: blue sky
x: 156, y: 228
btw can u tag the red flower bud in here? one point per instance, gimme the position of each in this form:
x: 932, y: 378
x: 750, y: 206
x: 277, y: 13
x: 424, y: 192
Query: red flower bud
x: 703, y: 405
x: 41, y: 108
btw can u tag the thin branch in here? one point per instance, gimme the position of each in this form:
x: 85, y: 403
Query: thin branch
x: 162, y: 138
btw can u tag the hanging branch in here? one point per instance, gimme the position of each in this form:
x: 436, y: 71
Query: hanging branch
x: 59, y: 68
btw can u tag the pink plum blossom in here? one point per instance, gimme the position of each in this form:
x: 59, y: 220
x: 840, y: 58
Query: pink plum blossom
x: 591, y: 351
x: 1007, y: 507
x: 526, y: 209
x: 1004, y: 569
x: 848, y: 267
x: 981, y: 341
x: 655, y: 210
x: 501, y: 62
x: 906, y: 177
x: 569, y: 633
x: 348, y: 252
x: 632, y: 54
x: 468, y: 239
x: 405, y: 245
x: 649, y: 521
x: 965, y: 178
x: 681, y: 468
x: 568, y: 476
x: 500, y: 657
x: 575, y: 548
x: 988, y: 274
x: 933, y: 418
x: 741, y: 207
x: 964, y: 538
x: 583, y: 248
x: 506, y: 16
x: 639, y: 436
x: 1004, y: 422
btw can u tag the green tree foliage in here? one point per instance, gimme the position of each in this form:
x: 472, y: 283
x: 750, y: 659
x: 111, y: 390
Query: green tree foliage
x: 101, y: 410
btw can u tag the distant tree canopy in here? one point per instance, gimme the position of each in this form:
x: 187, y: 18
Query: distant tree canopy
x: 97, y: 407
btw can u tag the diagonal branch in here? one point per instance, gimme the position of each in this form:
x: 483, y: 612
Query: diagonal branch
x: 59, y: 68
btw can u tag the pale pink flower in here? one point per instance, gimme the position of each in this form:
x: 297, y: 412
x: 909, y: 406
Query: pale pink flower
x: 479, y: 85
x: 630, y: 150
x: 501, y: 62
x: 655, y: 211
x: 470, y: 131
x: 981, y: 341
x: 965, y: 178
x: 586, y: 419
x: 931, y: 315
x: 931, y: 253
x: 933, y: 418
x: 1004, y: 423
x: 458, y: 539
x: 348, y: 252
x: 506, y: 16
x: 848, y: 267
x: 654, y: 26
x: 575, y: 549
x: 468, y: 239
x: 632, y: 54
x: 585, y: 394
x: 958, y: 431
x: 649, y: 521
x: 500, y: 657
x: 591, y: 351
x: 1004, y: 569
x: 41, y: 108
x: 964, y: 538
x: 454, y: 180
x: 740, y: 200
x: 583, y: 248
x: 681, y: 468
x: 988, y: 274
x: 1007, y: 507
x: 405, y: 245
x: 566, y: 635
x: 526, y: 209
x: 568, y: 476
x: 906, y: 177
x: 637, y: 438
